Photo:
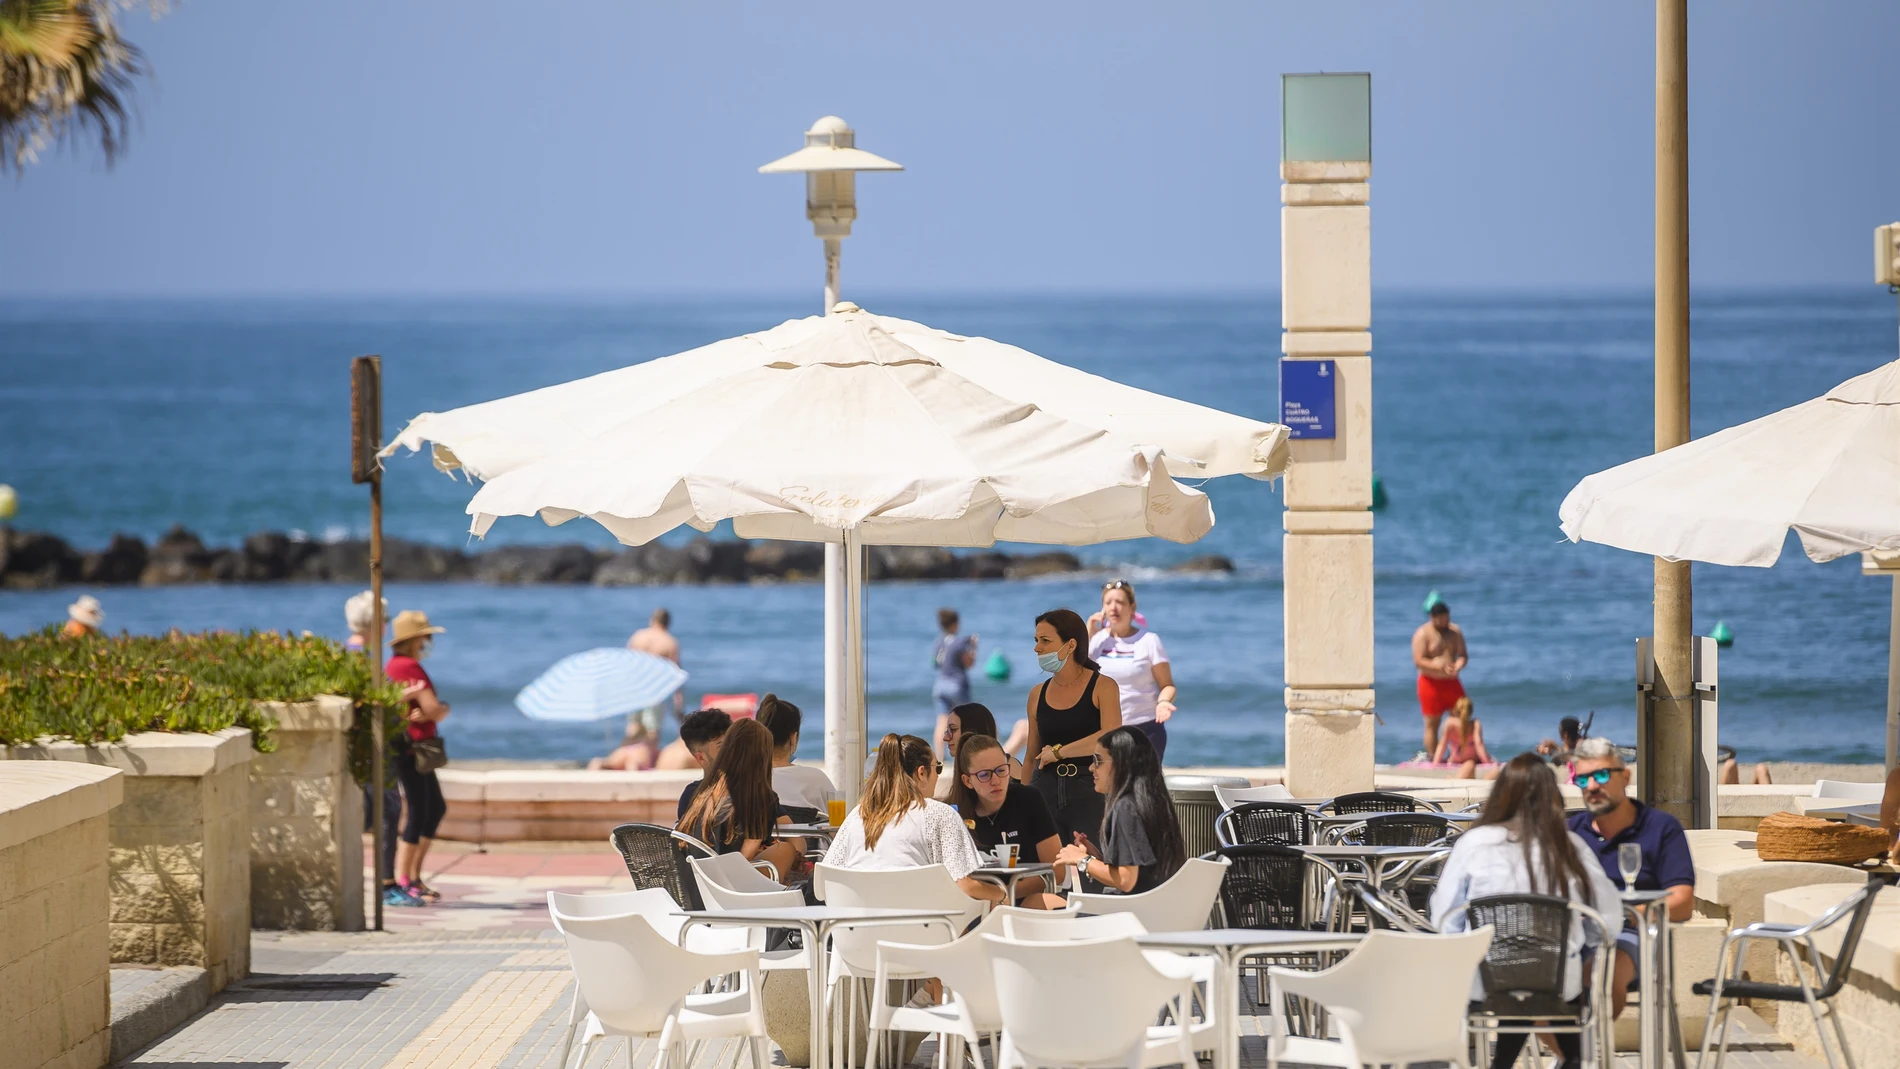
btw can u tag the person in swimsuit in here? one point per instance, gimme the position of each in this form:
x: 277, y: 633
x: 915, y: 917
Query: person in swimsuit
x: 1067, y: 715
x: 1438, y: 649
x: 1463, y: 742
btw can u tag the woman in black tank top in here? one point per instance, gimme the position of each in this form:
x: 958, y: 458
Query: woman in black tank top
x: 1067, y: 713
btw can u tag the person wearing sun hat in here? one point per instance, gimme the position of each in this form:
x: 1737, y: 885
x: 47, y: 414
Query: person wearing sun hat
x: 83, y: 617
x: 411, y: 635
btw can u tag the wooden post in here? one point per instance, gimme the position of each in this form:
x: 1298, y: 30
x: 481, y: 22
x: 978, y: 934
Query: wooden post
x: 366, y: 440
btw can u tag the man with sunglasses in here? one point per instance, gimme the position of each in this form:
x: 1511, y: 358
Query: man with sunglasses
x: 1610, y: 819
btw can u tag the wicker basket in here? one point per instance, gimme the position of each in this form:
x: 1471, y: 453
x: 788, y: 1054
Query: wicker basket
x: 1792, y: 837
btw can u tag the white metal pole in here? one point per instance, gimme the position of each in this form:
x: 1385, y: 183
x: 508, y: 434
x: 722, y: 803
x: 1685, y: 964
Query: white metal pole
x: 1893, y: 679
x: 837, y: 759
x: 832, y: 248
x: 853, y: 742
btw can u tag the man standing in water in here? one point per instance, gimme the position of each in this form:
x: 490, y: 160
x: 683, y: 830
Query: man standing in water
x: 1438, y: 649
x: 658, y: 641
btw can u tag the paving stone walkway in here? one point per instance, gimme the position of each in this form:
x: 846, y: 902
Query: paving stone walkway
x: 478, y: 981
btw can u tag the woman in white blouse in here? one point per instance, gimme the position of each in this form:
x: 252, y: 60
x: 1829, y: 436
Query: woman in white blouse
x: 1133, y: 656
x: 898, y: 825
x: 1520, y: 845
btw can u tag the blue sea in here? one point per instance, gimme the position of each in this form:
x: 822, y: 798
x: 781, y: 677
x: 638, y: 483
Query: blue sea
x: 232, y: 417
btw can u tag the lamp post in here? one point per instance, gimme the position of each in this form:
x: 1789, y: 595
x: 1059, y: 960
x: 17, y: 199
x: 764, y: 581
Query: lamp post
x: 830, y: 162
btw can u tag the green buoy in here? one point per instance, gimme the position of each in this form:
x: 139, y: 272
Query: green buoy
x: 1723, y: 635
x: 997, y: 667
x: 1378, y: 492
x: 1432, y: 600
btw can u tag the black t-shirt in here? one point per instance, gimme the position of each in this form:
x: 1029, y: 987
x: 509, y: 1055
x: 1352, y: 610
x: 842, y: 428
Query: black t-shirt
x: 1125, y: 842
x: 686, y: 800
x: 1023, y: 819
x: 720, y: 834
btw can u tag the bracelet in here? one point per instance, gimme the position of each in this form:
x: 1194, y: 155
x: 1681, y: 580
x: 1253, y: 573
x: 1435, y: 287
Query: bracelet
x: 1056, y: 750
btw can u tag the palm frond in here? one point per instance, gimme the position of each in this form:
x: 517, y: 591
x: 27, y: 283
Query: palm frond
x: 64, y: 70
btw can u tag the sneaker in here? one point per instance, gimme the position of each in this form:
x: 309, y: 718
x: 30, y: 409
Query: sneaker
x: 396, y: 896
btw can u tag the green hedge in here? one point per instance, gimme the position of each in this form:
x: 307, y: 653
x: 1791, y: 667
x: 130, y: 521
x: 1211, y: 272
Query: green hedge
x: 102, y: 688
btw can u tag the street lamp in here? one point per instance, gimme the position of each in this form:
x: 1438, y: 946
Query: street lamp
x: 830, y: 162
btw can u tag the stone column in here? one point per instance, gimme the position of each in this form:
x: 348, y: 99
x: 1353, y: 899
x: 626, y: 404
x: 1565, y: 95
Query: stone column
x: 1326, y: 312
x: 307, y: 821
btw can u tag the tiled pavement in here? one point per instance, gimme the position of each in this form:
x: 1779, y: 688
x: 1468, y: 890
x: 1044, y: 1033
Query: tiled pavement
x: 478, y: 981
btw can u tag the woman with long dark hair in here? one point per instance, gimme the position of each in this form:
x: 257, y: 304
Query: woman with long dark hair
x: 735, y: 807
x: 800, y: 787
x: 1000, y: 811
x: 897, y: 825
x: 1141, y: 838
x: 1520, y: 845
x: 1068, y: 712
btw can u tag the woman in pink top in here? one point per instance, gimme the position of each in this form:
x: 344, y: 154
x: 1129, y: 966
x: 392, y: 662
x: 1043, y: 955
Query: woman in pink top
x: 1463, y: 742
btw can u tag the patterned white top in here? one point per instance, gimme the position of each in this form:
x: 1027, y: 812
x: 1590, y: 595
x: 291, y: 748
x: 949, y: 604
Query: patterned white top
x: 931, y: 834
x: 1487, y: 861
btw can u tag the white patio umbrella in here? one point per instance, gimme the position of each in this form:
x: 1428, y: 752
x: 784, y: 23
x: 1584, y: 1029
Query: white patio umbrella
x: 716, y: 433
x: 1828, y: 469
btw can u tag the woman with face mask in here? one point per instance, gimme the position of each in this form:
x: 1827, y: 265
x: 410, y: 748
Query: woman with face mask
x: 1067, y: 714
x: 409, y: 645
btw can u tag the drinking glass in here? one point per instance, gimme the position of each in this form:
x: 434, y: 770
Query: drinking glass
x: 1629, y: 861
x: 835, y: 811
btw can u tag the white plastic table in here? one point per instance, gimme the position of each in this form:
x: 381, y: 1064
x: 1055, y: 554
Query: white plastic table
x: 1231, y: 946
x: 817, y: 922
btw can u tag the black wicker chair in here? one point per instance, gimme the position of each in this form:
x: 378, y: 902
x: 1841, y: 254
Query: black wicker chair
x: 1523, y: 971
x: 1272, y: 823
x: 1277, y: 888
x: 657, y: 856
x: 1377, y: 802
x: 1413, y: 829
x: 1793, y: 939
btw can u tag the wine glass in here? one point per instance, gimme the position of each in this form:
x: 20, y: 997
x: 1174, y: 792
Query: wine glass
x: 1629, y: 861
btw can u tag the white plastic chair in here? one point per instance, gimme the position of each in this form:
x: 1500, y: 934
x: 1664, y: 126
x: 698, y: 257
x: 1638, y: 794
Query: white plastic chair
x: 1088, y: 1003
x: 1232, y: 796
x: 733, y: 872
x: 1182, y: 904
x: 719, y: 895
x: 854, y: 948
x: 1852, y: 792
x: 637, y: 983
x: 1199, y: 969
x: 969, y: 1012
x: 1397, y: 998
x: 653, y: 903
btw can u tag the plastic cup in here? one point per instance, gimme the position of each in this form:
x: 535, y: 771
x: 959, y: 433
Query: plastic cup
x: 835, y: 811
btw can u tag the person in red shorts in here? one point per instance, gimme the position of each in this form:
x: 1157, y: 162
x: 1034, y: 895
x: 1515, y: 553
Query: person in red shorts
x: 1438, y: 649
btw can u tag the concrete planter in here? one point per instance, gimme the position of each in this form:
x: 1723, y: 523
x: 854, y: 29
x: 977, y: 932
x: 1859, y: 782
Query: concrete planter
x: 307, y: 822
x: 180, y: 847
x: 55, y: 959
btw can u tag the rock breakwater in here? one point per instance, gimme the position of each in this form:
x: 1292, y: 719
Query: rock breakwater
x: 33, y: 560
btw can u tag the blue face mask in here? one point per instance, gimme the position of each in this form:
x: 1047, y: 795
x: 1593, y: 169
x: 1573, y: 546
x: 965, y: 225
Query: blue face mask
x: 1049, y: 662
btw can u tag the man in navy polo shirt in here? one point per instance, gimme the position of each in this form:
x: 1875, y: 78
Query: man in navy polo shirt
x: 1614, y: 818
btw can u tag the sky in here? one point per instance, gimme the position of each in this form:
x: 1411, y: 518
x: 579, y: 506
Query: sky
x: 396, y: 147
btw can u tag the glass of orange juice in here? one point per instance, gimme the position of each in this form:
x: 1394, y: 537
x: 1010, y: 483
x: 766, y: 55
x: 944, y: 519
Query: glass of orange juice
x: 834, y: 809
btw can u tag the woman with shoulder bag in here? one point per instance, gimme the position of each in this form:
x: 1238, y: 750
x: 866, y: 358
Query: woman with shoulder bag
x: 419, y: 753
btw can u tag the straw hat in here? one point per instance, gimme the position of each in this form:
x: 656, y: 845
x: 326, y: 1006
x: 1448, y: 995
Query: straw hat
x: 411, y: 623
x: 87, y: 611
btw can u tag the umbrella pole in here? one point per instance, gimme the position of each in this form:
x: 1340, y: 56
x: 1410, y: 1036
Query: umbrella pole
x: 836, y: 764
x: 1893, y: 679
x: 853, y: 735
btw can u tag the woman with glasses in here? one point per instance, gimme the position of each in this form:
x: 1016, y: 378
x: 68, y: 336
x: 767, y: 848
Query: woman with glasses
x: 975, y: 718
x: 1141, y: 844
x: 1067, y: 713
x: 1135, y: 659
x: 1000, y: 811
x: 897, y: 825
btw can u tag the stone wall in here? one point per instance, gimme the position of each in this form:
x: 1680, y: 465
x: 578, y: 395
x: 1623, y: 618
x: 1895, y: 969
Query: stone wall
x: 55, y: 959
x: 180, y: 847
x: 307, y: 822
x: 506, y: 805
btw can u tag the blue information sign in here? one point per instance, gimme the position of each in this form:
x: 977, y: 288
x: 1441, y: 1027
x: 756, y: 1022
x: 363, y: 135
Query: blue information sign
x: 1306, y: 397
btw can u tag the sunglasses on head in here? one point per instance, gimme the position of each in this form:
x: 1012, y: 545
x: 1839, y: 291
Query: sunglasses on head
x: 1600, y: 777
x: 1117, y: 584
x: 989, y: 775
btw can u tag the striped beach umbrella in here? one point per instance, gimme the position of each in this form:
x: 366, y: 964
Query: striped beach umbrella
x: 599, y: 683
